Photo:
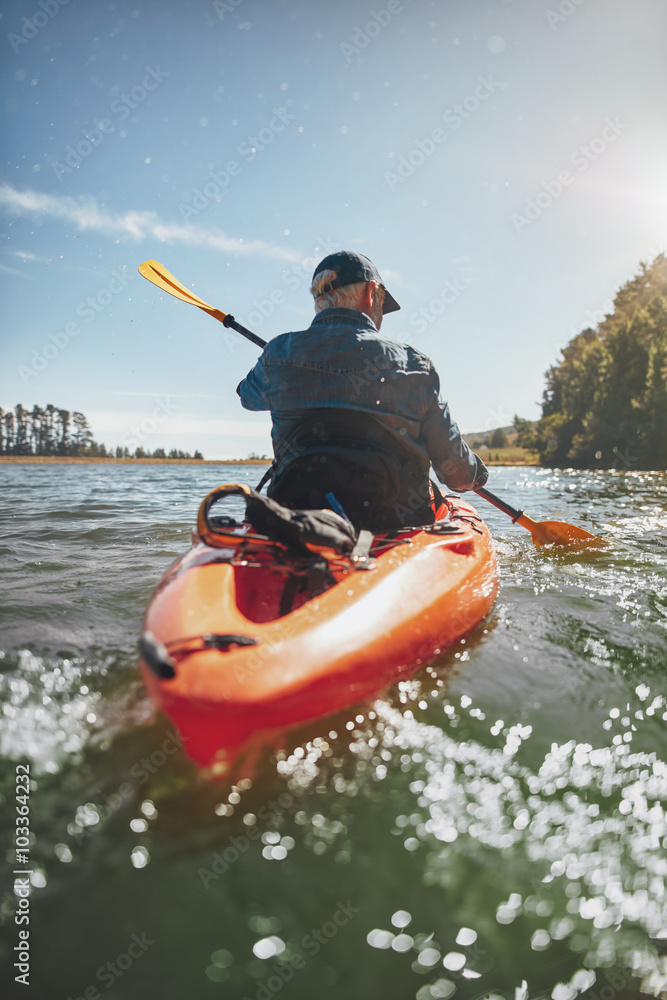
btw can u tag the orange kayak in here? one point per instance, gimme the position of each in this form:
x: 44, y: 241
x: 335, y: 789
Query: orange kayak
x: 244, y: 635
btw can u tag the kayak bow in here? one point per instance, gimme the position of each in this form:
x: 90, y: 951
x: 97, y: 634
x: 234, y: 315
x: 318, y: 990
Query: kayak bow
x: 244, y: 635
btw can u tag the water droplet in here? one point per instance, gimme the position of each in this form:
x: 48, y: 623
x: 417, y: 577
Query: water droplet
x: 140, y: 857
x: 496, y: 43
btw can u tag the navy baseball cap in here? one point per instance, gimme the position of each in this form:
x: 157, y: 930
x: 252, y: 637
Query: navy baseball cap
x: 350, y: 268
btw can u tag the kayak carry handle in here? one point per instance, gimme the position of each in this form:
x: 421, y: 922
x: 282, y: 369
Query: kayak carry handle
x: 157, y: 657
x: 160, y: 658
x: 205, y: 529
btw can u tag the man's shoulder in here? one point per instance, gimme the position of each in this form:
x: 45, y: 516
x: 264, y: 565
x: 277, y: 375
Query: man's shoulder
x: 282, y: 341
x: 330, y: 326
x: 412, y: 355
x: 348, y: 337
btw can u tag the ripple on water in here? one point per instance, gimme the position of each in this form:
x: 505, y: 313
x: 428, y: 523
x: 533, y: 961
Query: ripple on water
x: 583, y: 833
x: 519, y: 783
x: 52, y: 707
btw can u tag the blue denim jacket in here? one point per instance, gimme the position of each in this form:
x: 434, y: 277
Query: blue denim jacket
x: 342, y: 360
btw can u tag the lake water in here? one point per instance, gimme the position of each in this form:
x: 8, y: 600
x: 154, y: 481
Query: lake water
x: 493, y: 828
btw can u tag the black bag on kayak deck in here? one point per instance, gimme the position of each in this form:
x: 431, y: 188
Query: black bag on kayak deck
x: 299, y: 527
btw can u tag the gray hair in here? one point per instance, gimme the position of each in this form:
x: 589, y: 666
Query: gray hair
x: 326, y: 297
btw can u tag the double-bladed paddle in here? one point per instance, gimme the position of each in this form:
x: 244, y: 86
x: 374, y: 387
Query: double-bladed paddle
x: 161, y: 277
x: 542, y: 532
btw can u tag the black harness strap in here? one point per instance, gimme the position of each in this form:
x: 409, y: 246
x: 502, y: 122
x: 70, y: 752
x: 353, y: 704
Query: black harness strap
x: 319, y: 577
x: 437, y: 495
x: 292, y: 586
x: 265, y: 478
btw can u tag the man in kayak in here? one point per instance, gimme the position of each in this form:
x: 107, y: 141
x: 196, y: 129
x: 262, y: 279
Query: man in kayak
x: 357, y: 419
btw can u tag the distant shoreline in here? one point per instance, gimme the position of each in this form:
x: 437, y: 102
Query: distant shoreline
x: 86, y: 460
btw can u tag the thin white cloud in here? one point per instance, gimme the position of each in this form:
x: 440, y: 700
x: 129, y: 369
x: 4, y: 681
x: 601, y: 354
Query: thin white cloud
x: 13, y: 270
x: 22, y: 254
x: 86, y: 213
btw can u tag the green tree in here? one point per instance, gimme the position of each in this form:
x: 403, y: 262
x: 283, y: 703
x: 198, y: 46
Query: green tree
x: 525, y: 433
x: 49, y: 437
x: 83, y: 436
x: 63, y: 442
x: 8, y: 420
x: 605, y: 401
x: 36, y: 429
x: 22, y: 431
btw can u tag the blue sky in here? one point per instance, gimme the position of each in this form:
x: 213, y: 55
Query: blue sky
x: 503, y: 163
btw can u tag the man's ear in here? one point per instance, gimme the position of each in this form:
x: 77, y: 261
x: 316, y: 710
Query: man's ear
x: 369, y: 294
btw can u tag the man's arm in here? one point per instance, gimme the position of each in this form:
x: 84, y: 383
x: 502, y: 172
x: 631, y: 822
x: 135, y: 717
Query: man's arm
x: 453, y: 461
x: 252, y: 389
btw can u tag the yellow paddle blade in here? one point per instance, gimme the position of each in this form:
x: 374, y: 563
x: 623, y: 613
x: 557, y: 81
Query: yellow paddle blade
x: 558, y: 533
x: 161, y: 277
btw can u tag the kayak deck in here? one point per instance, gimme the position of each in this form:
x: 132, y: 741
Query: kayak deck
x: 292, y: 638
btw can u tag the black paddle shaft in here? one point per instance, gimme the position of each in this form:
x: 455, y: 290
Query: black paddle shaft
x: 500, y: 504
x: 248, y: 334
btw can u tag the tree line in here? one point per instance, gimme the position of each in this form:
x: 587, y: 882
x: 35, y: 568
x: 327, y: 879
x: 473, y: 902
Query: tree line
x: 605, y: 401
x: 51, y: 430
x: 494, y: 439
